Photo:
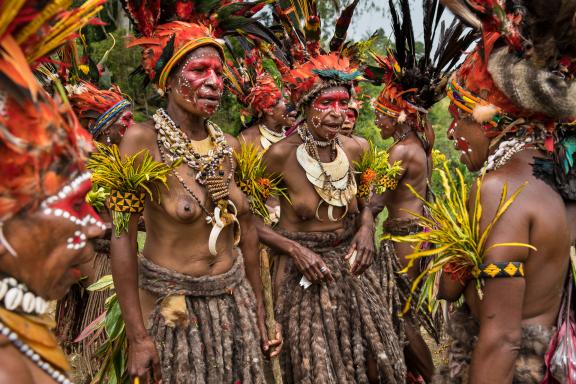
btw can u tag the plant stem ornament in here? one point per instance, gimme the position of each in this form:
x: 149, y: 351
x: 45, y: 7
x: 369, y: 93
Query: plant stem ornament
x: 128, y: 180
x: 457, y: 243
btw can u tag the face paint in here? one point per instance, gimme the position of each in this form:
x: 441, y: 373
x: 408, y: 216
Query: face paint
x: 125, y: 121
x: 70, y: 203
x: 336, y: 101
x: 200, y: 82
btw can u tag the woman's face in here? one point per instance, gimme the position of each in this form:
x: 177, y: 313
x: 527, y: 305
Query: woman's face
x: 327, y: 112
x: 53, y: 242
x: 116, y: 131
x: 386, y: 124
x: 281, y: 115
x: 469, y: 139
x: 197, y: 85
x: 349, y: 123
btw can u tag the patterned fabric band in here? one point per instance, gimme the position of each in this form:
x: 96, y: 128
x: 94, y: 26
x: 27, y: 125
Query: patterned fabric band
x: 120, y: 201
x: 108, y: 116
x: 500, y: 269
x: 189, y: 47
x: 466, y: 101
x: 385, y: 109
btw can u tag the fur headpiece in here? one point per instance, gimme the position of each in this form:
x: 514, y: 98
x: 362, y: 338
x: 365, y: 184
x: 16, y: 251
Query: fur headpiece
x: 42, y: 146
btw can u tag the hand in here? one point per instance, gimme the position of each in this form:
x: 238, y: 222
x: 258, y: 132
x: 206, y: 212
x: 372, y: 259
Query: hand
x: 272, y: 348
x: 143, y: 361
x: 363, y: 245
x: 311, y: 265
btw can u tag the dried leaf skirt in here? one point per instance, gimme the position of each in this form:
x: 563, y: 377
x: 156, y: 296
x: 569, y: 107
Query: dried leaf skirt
x: 463, y: 331
x: 204, y: 327
x: 330, y: 330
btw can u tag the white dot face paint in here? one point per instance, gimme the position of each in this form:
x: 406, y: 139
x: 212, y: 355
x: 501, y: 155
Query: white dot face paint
x: 200, y: 81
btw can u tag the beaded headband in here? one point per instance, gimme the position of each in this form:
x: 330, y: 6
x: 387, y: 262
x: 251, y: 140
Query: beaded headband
x: 108, y: 116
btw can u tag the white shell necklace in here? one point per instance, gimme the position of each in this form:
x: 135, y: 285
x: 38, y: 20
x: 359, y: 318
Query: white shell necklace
x: 16, y: 297
x: 506, y: 149
x: 269, y: 137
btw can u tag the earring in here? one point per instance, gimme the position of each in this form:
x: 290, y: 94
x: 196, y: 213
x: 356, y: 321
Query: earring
x: 316, y: 122
x: 108, y: 141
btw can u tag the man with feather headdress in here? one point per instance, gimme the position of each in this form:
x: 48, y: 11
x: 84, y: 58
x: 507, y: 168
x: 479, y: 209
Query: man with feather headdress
x: 412, y: 85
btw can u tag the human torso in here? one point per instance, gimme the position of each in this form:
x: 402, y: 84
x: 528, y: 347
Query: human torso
x: 537, y: 217
x: 299, y: 214
x: 177, y: 229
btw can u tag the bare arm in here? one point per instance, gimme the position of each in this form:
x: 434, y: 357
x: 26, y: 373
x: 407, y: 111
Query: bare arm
x: 378, y: 201
x: 142, y: 353
x: 500, y: 315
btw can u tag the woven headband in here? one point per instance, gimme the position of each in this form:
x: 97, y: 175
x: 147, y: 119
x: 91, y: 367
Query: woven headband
x: 108, y: 116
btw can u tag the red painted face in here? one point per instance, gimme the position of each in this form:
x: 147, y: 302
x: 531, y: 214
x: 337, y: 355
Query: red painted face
x: 332, y: 100
x: 200, y: 81
x: 125, y: 121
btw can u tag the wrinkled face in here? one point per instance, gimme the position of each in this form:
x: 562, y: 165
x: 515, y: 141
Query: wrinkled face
x: 469, y: 139
x: 349, y: 123
x: 327, y: 112
x: 61, y: 231
x: 386, y: 124
x: 197, y: 86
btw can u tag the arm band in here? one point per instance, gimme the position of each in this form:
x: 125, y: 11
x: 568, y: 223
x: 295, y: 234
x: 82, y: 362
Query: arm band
x: 500, y: 269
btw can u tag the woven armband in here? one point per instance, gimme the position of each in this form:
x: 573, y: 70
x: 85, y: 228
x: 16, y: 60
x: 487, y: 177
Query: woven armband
x: 389, y: 182
x: 501, y: 269
x: 128, y: 202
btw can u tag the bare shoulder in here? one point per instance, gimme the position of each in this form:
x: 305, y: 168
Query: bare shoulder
x: 139, y: 136
x: 14, y: 368
x: 232, y: 142
x: 276, y: 155
x: 354, y: 146
x: 250, y: 135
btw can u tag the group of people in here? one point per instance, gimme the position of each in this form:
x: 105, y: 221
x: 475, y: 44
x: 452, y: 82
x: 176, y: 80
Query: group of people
x: 222, y: 291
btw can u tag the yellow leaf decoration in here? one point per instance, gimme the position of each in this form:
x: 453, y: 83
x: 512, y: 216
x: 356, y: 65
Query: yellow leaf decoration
x: 252, y: 179
x: 451, y: 234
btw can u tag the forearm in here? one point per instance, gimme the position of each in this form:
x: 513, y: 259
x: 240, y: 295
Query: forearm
x: 366, y: 218
x: 273, y: 239
x: 376, y: 204
x: 124, y: 262
x: 494, y: 358
x: 450, y: 287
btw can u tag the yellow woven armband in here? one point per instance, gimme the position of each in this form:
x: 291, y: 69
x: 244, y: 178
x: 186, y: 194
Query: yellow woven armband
x: 126, y: 201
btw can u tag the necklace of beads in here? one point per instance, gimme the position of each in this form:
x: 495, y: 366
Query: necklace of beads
x: 307, y: 137
x: 25, y: 349
x: 506, y: 149
x: 180, y: 146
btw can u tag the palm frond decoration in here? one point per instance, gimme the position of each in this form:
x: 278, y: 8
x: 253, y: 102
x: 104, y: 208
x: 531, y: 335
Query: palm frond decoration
x: 139, y: 174
x: 252, y: 180
x: 112, y: 352
x: 97, y: 197
x: 452, y: 234
x: 376, y: 172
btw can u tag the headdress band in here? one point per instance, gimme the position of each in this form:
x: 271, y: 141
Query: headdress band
x: 108, y: 116
x: 188, y: 47
x: 466, y: 101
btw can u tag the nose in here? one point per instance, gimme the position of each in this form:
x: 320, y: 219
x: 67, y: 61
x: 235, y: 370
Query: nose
x: 214, y: 80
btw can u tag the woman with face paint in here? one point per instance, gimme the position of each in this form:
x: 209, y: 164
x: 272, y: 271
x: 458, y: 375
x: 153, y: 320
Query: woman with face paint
x: 107, y: 115
x: 338, y: 328
x: 46, y: 227
x: 198, y: 315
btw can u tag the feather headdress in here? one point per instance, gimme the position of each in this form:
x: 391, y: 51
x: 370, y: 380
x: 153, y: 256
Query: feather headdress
x: 309, y: 68
x: 523, y: 71
x: 249, y: 81
x: 171, y: 29
x: 42, y: 146
x: 414, y: 82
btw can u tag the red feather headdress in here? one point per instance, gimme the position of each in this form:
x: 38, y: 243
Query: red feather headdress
x: 42, y: 146
x: 320, y: 72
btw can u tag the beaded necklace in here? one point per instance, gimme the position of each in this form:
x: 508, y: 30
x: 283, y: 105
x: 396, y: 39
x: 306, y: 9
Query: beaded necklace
x: 506, y: 149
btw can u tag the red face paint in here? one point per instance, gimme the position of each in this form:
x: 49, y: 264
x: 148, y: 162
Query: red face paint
x: 336, y: 101
x: 200, y: 82
x: 351, y: 116
x: 125, y: 121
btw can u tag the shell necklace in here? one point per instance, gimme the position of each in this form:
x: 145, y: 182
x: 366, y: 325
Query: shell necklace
x: 506, y: 149
x: 333, y: 181
x: 209, y: 170
x: 269, y: 137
